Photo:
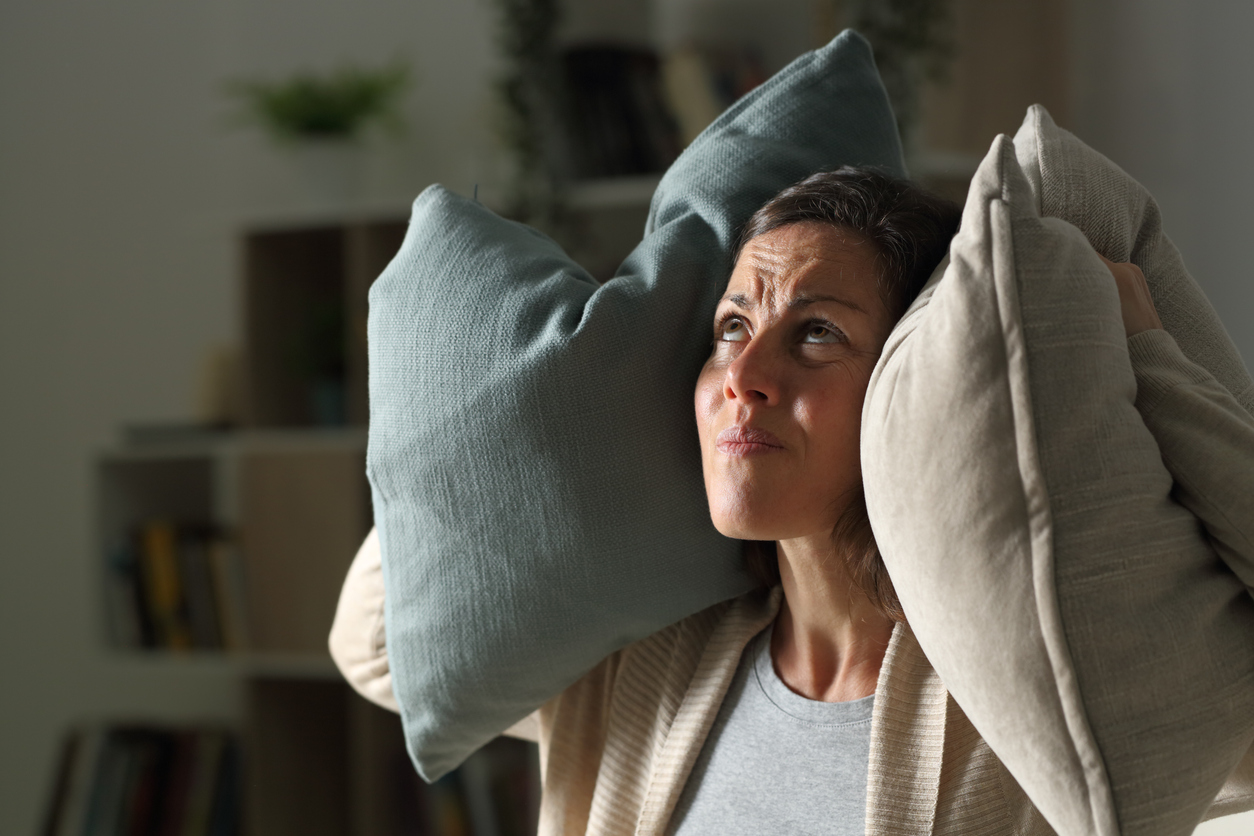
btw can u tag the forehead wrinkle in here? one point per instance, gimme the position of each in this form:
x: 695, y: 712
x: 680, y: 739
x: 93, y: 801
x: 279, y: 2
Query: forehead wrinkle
x: 772, y: 270
x: 778, y: 267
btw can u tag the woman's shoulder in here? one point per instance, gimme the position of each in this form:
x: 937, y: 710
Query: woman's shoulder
x: 673, y: 654
x: 654, y: 673
x: 616, y: 730
x: 732, y: 622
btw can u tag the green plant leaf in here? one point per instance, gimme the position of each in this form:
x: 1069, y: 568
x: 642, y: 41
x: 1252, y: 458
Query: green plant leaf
x: 337, y: 105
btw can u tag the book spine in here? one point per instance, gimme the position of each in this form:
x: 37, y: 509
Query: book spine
x: 476, y: 784
x: 163, y: 585
x: 202, y: 611
x: 199, y: 806
x: 142, y: 780
x: 225, y: 810
x: 178, y: 785
x: 71, y: 819
x: 109, y: 785
x: 226, y: 571
x: 54, y: 812
x: 124, y: 598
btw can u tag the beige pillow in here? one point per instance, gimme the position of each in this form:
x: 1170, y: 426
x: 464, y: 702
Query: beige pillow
x: 1121, y: 220
x: 1075, y: 611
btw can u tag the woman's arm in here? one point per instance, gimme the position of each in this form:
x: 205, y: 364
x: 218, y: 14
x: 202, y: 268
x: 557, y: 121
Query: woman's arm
x: 1207, y: 443
x: 358, y: 640
x: 1205, y: 437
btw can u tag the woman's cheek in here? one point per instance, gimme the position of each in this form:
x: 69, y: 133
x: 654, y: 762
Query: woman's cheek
x: 708, y: 398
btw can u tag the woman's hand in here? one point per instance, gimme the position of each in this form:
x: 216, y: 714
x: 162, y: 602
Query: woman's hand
x: 1138, y: 309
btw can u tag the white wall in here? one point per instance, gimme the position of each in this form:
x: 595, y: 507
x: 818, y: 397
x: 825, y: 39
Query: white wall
x: 1165, y: 89
x: 121, y: 191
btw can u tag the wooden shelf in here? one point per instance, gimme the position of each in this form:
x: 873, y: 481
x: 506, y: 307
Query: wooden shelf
x: 320, y: 214
x: 295, y: 504
x: 943, y: 164
x: 299, y: 666
x: 289, y: 492
x: 190, y: 442
x: 305, y: 295
x: 614, y: 192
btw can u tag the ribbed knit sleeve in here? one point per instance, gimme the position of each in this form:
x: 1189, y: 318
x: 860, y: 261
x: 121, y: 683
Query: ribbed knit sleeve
x: 358, y: 640
x: 1207, y: 443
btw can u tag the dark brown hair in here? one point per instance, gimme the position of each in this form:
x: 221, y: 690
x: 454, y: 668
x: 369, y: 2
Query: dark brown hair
x: 910, y: 229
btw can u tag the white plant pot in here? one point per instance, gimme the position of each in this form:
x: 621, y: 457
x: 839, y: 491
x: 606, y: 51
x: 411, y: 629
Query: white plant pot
x: 331, y: 169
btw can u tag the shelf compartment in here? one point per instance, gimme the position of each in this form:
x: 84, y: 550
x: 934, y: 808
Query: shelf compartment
x: 305, y: 301
x: 258, y: 530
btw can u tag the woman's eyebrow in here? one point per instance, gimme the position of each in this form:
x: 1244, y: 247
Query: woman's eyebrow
x: 742, y: 301
x: 803, y: 301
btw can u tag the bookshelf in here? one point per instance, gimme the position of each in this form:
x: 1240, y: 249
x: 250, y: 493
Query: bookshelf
x: 273, y: 508
x: 1006, y: 57
x: 224, y: 548
x: 285, y: 511
x: 305, y: 295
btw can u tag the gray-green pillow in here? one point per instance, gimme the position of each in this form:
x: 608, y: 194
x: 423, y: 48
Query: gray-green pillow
x: 533, y: 453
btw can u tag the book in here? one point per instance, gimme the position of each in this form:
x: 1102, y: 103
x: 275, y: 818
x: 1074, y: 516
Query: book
x: 145, y: 780
x: 58, y: 800
x: 176, y: 587
x: 700, y: 83
x: 496, y: 792
x: 179, y: 782
x: 224, y: 813
x: 226, y: 573
x: 476, y: 776
x: 198, y: 589
x: 163, y: 587
x: 198, y: 804
x: 124, y: 598
x: 446, y: 808
x: 615, y: 112
x: 108, y: 787
x: 69, y: 816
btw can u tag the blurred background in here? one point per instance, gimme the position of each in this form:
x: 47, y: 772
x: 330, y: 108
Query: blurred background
x: 194, y: 199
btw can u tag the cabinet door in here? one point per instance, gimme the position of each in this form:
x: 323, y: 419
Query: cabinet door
x: 297, y: 751
x: 302, y: 516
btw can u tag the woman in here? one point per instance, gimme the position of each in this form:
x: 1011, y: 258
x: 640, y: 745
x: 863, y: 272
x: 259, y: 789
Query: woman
x: 807, y: 704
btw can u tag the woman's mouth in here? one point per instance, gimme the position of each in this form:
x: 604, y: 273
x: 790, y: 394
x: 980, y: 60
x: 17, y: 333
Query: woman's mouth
x: 746, y: 441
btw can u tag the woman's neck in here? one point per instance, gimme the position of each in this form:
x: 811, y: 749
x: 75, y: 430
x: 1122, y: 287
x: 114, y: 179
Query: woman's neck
x: 829, y: 640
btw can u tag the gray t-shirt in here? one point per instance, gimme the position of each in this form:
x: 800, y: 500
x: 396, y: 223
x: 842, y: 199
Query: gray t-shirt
x: 776, y: 762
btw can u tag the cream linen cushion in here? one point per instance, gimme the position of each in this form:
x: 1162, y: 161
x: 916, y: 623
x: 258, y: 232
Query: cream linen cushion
x: 1074, y: 610
x: 1071, y: 181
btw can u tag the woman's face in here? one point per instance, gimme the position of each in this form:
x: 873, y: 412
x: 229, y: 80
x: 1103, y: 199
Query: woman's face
x: 779, y: 402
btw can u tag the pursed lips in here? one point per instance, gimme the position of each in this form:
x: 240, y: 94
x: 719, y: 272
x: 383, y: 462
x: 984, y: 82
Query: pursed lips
x: 746, y: 441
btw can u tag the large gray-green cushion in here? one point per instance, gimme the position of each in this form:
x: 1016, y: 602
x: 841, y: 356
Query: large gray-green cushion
x: 533, y: 453
x: 1076, y: 611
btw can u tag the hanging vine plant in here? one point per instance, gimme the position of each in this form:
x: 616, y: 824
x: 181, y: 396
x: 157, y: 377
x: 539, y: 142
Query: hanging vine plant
x: 529, y: 93
x: 913, y: 44
x: 912, y: 39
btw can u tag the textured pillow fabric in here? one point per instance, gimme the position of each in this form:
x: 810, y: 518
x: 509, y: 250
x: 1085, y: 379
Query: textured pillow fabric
x: 1073, y: 182
x: 1075, y: 611
x: 533, y: 453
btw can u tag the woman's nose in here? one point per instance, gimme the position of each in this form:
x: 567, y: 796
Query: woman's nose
x: 751, y: 379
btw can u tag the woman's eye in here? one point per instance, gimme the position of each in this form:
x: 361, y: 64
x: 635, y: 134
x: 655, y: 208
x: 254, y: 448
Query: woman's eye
x: 817, y: 332
x: 733, y: 330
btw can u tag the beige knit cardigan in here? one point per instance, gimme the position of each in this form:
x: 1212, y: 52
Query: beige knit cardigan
x: 617, y: 746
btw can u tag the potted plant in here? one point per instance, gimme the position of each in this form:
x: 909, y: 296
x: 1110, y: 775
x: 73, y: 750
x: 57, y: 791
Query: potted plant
x: 322, y: 118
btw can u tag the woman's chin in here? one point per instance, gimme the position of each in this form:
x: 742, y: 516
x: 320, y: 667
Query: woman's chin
x: 743, y: 526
